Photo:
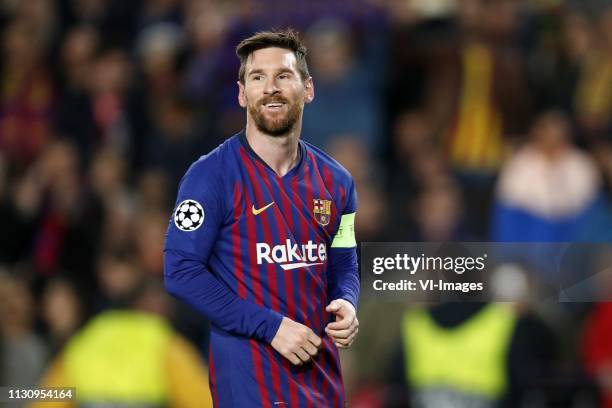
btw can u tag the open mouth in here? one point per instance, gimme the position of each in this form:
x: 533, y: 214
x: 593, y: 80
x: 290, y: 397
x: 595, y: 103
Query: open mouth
x: 274, y: 106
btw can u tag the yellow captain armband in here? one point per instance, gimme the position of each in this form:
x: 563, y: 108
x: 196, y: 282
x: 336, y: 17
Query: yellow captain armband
x: 345, y: 236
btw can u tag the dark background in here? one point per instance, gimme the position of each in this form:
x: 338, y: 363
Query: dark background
x: 474, y: 120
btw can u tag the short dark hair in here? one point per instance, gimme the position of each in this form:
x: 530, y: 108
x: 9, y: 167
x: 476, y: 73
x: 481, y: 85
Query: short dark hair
x: 288, y: 39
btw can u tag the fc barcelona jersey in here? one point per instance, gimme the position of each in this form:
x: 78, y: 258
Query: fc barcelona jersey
x: 246, y: 247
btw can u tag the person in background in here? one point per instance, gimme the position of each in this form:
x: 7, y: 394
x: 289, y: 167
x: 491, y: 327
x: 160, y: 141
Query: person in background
x: 469, y: 354
x: 23, y: 353
x: 548, y: 189
x: 131, y: 356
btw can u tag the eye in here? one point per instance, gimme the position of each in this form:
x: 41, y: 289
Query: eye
x: 257, y: 77
x: 284, y: 76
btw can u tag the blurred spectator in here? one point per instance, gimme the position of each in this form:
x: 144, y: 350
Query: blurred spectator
x: 27, y: 93
x: 548, y: 190
x: 593, y: 97
x: 470, y: 354
x: 69, y: 226
x: 158, y: 48
x: 118, y: 275
x: 208, y: 72
x: 348, y: 99
x: 149, y: 231
x: 597, y: 349
x: 413, y: 139
x: 177, y: 139
x: 19, y: 205
x: 62, y: 312
x: 23, y: 354
x: 74, y: 116
x: 108, y: 177
x: 154, y: 11
x: 437, y: 213
x: 131, y: 356
x: 354, y: 155
x: 154, y: 188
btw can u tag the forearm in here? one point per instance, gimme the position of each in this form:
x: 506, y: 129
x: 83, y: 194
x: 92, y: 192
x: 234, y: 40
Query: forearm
x: 343, y: 275
x: 190, y: 280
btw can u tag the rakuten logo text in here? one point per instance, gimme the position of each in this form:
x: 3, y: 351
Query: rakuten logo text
x: 291, y: 255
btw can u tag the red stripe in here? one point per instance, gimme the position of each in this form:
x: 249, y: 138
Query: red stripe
x: 271, y: 270
x: 213, y: 378
x: 253, y: 344
x: 342, y: 196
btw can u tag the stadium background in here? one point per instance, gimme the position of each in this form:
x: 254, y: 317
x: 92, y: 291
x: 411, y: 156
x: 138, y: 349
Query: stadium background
x: 460, y: 120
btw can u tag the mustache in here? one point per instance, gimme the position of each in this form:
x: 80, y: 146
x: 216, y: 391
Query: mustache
x: 273, y: 99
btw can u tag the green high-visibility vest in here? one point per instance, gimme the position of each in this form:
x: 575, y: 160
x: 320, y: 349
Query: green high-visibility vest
x: 119, y: 357
x: 467, y: 359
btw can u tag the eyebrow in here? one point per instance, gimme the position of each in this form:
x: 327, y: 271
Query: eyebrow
x: 260, y: 71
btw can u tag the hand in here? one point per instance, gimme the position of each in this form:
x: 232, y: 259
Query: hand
x: 346, y: 326
x: 296, y: 342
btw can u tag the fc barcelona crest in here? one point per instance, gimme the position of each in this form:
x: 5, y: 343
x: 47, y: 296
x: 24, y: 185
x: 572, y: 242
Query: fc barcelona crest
x: 321, y: 210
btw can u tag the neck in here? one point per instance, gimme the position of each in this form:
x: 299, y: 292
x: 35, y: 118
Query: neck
x: 280, y: 153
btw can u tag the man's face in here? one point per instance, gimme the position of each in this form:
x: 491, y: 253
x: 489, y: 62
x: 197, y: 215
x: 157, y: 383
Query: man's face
x: 273, y: 91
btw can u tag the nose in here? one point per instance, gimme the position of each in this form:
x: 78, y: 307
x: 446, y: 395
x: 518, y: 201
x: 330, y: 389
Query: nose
x: 271, y: 88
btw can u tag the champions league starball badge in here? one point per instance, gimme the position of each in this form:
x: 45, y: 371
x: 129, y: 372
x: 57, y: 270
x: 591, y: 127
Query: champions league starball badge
x: 189, y: 215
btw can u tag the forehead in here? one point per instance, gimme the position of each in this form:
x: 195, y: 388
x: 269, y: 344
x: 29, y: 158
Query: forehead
x: 272, y: 58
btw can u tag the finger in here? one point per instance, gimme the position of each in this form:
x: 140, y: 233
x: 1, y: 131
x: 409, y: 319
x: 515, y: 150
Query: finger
x: 344, y: 342
x: 302, y: 355
x: 339, y: 345
x: 333, y: 307
x: 310, y: 349
x: 314, y: 339
x: 341, y: 324
x: 348, y: 340
x: 352, y: 337
x: 294, y: 359
x: 340, y: 334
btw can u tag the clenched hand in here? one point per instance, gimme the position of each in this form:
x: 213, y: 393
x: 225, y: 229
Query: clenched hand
x: 346, y: 326
x: 296, y: 342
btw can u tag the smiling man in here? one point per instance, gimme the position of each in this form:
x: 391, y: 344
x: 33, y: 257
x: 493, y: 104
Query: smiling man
x: 262, y: 243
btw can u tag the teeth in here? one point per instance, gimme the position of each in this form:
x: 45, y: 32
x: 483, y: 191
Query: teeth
x: 274, y: 105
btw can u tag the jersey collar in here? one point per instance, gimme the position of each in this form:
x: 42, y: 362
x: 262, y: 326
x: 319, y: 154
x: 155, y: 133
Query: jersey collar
x: 294, y: 170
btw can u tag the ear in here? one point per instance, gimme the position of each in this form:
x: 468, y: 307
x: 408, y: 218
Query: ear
x: 241, y: 96
x: 309, y: 90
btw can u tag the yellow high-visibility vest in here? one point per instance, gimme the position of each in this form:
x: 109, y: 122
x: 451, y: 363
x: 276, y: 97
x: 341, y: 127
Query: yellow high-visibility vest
x: 119, y: 357
x: 467, y: 359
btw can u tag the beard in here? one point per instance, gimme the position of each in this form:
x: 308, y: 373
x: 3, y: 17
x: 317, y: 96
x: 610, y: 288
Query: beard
x: 280, y: 125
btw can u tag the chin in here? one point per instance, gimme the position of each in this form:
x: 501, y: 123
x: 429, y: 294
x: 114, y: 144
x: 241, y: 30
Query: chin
x: 277, y: 131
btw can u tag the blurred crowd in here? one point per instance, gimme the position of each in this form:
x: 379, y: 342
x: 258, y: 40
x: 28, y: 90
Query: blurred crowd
x: 473, y: 120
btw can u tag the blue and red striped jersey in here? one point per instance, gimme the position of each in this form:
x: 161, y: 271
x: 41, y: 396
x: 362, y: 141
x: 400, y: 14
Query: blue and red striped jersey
x: 246, y: 247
